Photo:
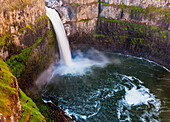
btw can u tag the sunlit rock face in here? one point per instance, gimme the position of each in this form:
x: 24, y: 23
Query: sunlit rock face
x: 125, y: 10
x: 77, y: 16
x: 143, y: 3
x: 15, y: 17
x: 15, y: 14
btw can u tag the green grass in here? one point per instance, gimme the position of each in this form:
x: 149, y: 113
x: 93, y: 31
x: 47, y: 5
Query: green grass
x: 45, y: 111
x: 40, y: 18
x: 29, y: 27
x: 74, y: 4
x: 52, y: 39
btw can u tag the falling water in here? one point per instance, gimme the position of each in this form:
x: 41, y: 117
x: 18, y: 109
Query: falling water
x: 95, y: 86
x: 63, y: 44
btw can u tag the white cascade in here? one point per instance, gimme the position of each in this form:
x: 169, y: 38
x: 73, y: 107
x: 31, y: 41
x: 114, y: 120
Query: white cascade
x: 64, y: 48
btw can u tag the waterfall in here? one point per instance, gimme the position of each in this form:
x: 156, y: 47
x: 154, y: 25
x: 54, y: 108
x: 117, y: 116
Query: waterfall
x: 64, y: 48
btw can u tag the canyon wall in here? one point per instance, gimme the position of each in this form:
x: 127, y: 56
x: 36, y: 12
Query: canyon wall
x: 27, y: 47
x: 10, y: 106
x: 27, y: 43
x: 14, y: 16
x: 135, y: 27
x: 14, y: 104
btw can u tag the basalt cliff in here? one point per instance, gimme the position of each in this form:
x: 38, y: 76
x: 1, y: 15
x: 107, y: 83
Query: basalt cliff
x: 135, y: 27
x: 28, y: 45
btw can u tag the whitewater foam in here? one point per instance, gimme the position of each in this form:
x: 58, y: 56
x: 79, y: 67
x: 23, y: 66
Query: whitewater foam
x: 81, y: 63
x: 137, y: 96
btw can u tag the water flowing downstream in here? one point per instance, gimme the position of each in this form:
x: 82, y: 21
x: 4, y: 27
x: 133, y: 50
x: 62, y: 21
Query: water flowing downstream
x: 64, y: 48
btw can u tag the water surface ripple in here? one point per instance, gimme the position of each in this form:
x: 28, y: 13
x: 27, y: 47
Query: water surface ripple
x: 125, y: 89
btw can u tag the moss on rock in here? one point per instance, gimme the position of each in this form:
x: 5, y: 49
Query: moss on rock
x: 31, y: 112
x: 17, y: 62
x: 134, y: 38
x: 11, y: 97
x: 7, y: 90
x: 3, y: 40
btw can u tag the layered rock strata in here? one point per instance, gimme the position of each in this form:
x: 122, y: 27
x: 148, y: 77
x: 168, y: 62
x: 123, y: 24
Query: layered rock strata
x: 134, y: 27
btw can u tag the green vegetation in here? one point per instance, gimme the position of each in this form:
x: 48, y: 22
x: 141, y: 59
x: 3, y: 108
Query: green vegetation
x: 150, y: 11
x: 6, y: 90
x: 4, y: 39
x: 104, y: 3
x: 84, y: 20
x: 7, y: 102
x: 40, y: 18
x: 52, y: 37
x: 45, y: 111
x: 99, y: 35
x: 74, y: 4
x: 18, y: 62
x: 32, y: 28
x: 110, y: 20
x: 135, y: 36
x: 30, y: 111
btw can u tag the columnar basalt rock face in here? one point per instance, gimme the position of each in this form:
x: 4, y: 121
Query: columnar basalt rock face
x: 150, y: 15
x: 15, y: 15
x: 136, y: 27
x: 12, y: 18
x: 149, y: 12
x: 142, y: 3
x: 77, y: 16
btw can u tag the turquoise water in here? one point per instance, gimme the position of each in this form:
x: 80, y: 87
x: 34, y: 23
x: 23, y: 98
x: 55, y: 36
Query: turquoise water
x: 124, y: 88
